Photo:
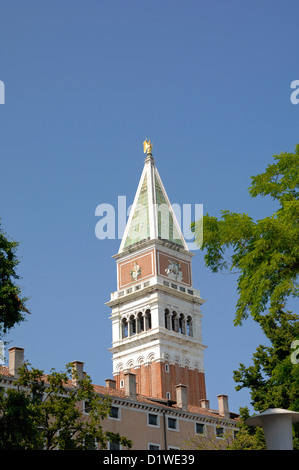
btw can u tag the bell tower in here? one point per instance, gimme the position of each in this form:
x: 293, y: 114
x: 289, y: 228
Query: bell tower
x: 156, y: 316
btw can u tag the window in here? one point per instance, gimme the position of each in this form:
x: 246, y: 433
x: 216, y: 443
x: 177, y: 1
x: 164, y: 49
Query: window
x: 37, y: 396
x: 166, y: 367
x: 140, y: 323
x: 132, y: 325
x: 174, y: 322
x: 179, y: 323
x: 42, y: 445
x: 168, y: 395
x: 114, y: 445
x: 148, y: 320
x: 199, y: 428
x: 189, y: 326
x: 182, y: 324
x: 219, y: 431
x: 86, y: 407
x: 124, y: 328
x: 153, y: 419
x: 172, y: 423
x: 136, y: 324
x: 90, y: 443
x: 167, y: 319
x: 122, y: 383
x: 114, y: 412
x: 153, y: 446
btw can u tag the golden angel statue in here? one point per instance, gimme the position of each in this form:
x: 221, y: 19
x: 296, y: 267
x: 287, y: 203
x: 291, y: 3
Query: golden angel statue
x: 147, y: 146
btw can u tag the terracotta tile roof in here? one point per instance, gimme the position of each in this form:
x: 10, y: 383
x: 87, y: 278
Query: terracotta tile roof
x: 112, y: 392
x: 4, y: 371
x: 115, y: 393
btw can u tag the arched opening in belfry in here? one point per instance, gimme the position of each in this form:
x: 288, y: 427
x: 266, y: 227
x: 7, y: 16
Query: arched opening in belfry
x: 148, y: 320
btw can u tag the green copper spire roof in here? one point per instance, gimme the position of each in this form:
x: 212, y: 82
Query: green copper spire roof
x: 151, y: 216
x: 139, y: 228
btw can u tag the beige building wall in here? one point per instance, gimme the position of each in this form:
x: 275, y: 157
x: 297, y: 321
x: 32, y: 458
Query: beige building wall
x: 133, y: 423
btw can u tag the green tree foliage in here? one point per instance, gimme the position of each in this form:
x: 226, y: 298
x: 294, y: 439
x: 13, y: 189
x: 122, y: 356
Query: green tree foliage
x: 247, y: 437
x: 265, y: 255
x: 273, y: 378
x: 265, y: 252
x: 210, y: 441
x: 18, y: 429
x: 12, y: 307
x: 44, y: 413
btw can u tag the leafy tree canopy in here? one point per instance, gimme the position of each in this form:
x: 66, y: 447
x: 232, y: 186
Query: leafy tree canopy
x: 12, y: 307
x: 264, y: 252
x: 45, y: 412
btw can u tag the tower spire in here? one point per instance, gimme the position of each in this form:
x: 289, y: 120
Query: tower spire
x: 152, y: 216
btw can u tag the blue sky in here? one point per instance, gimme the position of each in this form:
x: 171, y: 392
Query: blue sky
x: 85, y: 83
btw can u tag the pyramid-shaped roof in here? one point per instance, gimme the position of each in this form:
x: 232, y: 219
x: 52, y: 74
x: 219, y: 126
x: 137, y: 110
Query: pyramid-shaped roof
x: 151, y: 216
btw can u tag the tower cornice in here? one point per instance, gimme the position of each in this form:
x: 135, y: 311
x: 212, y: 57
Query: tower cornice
x: 150, y: 243
x: 121, y: 297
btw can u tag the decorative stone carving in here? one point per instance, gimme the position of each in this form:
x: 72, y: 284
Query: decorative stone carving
x: 173, y: 271
x: 135, y: 272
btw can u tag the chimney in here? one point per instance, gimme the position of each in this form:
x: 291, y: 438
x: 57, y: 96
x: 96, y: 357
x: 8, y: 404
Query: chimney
x: 79, y: 374
x: 181, y: 396
x: 110, y: 383
x: 16, y: 360
x: 130, y: 385
x: 223, y: 406
x: 204, y: 404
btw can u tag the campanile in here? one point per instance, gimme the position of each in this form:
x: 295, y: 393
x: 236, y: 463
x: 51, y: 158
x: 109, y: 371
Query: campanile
x: 156, y: 316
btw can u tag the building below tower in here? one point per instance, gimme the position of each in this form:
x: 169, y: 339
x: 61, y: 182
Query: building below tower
x: 151, y: 424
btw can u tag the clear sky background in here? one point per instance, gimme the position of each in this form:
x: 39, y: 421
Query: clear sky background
x: 85, y: 83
